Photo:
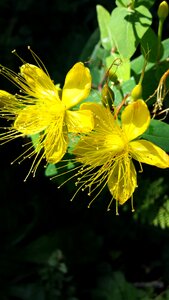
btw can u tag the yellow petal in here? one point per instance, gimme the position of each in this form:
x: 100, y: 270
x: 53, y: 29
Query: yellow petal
x: 98, y: 149
x: 100, y: 113
x: 77, y: 85
x: 38, y: 83
x: 103, y: 119
x: 105, y: 143
x: 4, y: 94
x: 31, y: 120
x: 88, y: 152
x: 122, y: 180
x: 79, y: 121
x: 56, y: 141
x: 135, y: 119
x: 108, y: 133
x: 146, y: 152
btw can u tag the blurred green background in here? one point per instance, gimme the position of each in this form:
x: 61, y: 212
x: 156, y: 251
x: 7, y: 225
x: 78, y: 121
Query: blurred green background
x: 50, y: 248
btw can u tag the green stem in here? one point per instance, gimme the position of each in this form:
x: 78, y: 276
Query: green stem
x: 132, y: 4
x: 143, y: 70
x: 160, y: 29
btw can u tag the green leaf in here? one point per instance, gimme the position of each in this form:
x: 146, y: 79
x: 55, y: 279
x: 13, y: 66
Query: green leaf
x: 146, y: 3
x: 39, y: 250
x: 158, y: 133
x: 124, y: 3
x: 35, y: 140
x: 155, y: 198
x: 103, y: 17
x: 50, y: 170
x: 128, y: 27
x: 115, y: 286
x: 122, y: 70
x: 125, y: 88
x: 162, y: 217
x: 138, y: 62
x: 90, y: 45
x: 165, y: 45
x: 97, y: 60
x: 149, y: 44
x: 127, y: 3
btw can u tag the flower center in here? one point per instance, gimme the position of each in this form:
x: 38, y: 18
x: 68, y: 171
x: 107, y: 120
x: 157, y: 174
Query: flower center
x: 116, y: 143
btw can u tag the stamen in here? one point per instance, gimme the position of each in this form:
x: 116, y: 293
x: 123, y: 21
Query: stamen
x: 97, y: 194
x: 75, y: 193
x: 132, y: 206
x: 38, y: 60
x: 108, y: 208
x: 117, y: 206
x: 17, y: 55
x: 141, y: 168
x: 34, y: 166
x: 66, y: 179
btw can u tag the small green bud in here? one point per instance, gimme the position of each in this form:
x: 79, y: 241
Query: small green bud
x: 163, y: 10
x: 113, y: 77
x: 107, y: 96
x: 136, y: 92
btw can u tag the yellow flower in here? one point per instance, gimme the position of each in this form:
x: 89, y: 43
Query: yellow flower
x: 43, y: 108
x: 106, y: 153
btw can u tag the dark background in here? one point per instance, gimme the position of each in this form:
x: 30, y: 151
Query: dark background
x: 51, y: 248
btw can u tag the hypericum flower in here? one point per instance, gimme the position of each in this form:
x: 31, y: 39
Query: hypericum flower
x: 43, y: 108
x: 106, y: 152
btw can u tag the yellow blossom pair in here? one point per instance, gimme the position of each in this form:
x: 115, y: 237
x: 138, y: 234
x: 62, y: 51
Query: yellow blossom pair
x: 107, y: 145
x: 43, y: 108
x: 107, y: 152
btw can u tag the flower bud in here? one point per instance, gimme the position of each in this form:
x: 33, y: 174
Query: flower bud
x: 163, y: 10
x: 136, y: 92
x: 113, y: 77
x: 107, y: 96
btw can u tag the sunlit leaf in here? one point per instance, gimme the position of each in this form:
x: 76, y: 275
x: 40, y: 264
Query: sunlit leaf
x: 124, y: 3
x: 121, y: 69
x: 128, y: 27
x: 103, y: 17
